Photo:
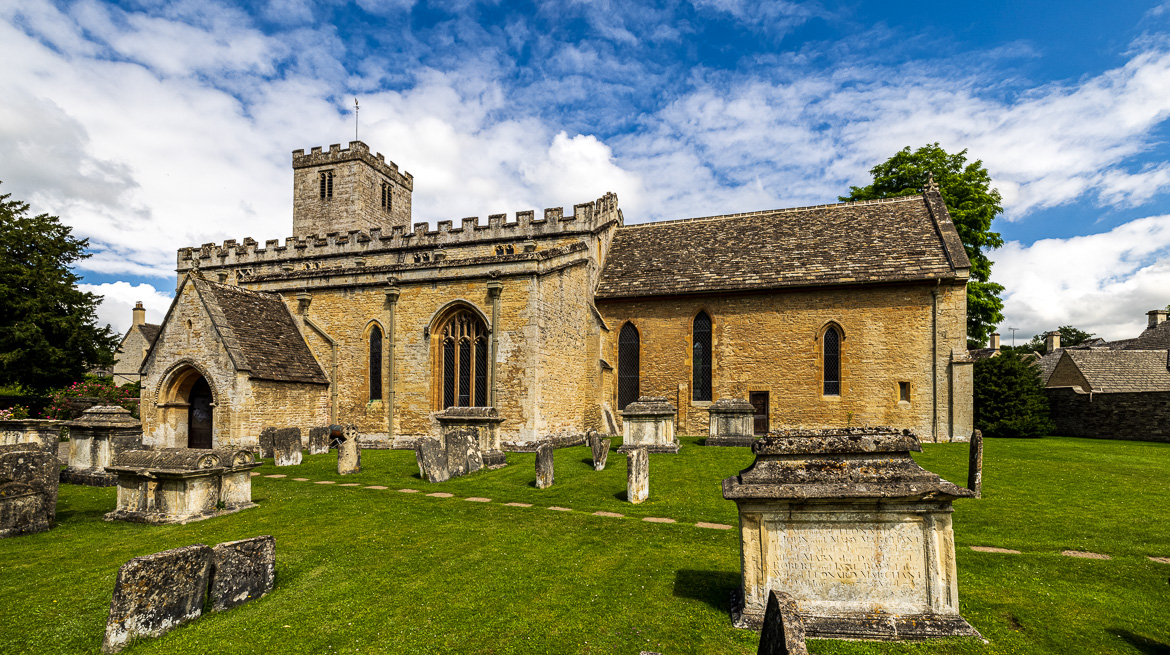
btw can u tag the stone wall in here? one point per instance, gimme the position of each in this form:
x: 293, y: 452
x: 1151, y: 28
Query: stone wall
x: 772, y: 342
x: 129, y: 357
x: 1141, y: 416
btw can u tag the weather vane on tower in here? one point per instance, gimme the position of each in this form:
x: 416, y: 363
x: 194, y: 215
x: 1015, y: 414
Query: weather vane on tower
x: 355, y: 119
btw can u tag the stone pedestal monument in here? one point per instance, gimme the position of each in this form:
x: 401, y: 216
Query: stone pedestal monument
x: 732, y: 423
x: 649, y: 423
x: 94, y: 438
x: 484, y: 421
x: 847, y: 524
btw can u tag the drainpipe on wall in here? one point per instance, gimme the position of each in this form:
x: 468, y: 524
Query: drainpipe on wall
x: 494, y: 288
x: 934, y: 361
x: 392, y: 293
x: 303, y: 300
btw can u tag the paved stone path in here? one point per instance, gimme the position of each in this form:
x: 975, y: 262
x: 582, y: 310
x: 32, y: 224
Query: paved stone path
x: 993, y: 549
x: 1084, y: 554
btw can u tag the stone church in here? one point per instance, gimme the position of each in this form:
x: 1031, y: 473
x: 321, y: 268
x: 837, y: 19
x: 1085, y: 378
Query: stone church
x: 825, y: 316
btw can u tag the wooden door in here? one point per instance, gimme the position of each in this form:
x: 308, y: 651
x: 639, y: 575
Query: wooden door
x: 759, y: 400
x: 199, y: 412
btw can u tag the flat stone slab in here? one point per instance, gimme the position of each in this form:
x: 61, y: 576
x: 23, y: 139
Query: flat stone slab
x: 155, y: 593
x: 300, y: 479
x: 242, y: 571
x: 518, y: 504
x: 441, y: 494
x: 1084, y: 554
x: 408, y: 491
x: 324, y: 482
x: 478, y: 500
x: 1160, y: 560
x: 658, y: 519
x: 560, y: 509
x: 278, y: 475
x: 374, y: 486
x: 713, y: 526
x: 993, y: 549
x: 610, y: 514
x: 254, y: 474
x: 350, y: 484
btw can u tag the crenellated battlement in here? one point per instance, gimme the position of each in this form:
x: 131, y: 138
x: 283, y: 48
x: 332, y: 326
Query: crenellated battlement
x: 586, y: 218
x: 357, y: 151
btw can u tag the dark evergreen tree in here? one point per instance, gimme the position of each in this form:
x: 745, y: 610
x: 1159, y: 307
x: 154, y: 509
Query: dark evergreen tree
x: 972, y: 203
x: 1009, y: 398
x: 49, y: 335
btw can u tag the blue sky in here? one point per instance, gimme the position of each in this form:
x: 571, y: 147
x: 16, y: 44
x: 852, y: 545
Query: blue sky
x: 150, y: 126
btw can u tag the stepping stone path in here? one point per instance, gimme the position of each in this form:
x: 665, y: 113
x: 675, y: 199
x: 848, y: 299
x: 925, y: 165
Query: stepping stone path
x: 560, y: 509
x: 324, y: 482
x: 1160, y: 560
x: 300, y: 479
x: 993, y: 549
x: 478, y: 500
x: 407, y: 491
x: 349, y: 484
x: 610, y: 514
x: 278, y: 475
x: 254, y: 474
x: 713, y: 526
x: 657, y: 519
x: 1085, y: 555
x: 375, y: 487
x: 440, y: 494
x: 518, y: 504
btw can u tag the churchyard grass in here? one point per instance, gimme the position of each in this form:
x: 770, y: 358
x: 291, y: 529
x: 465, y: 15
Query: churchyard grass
x: 379, y: 571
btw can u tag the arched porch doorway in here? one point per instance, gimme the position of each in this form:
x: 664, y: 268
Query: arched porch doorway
x: 199, y: 410
x: 186, y: 409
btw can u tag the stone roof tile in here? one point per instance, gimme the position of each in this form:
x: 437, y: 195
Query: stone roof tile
x: 1114, y: 371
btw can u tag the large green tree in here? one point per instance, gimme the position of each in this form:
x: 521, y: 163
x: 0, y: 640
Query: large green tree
x: 973, y: 205
x: 1009, y: 398
x: 49, y: 335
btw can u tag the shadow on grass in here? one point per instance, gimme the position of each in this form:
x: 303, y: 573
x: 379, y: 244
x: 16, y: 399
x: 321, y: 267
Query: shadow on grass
x: 1142, y: 644
x: 711, y: 587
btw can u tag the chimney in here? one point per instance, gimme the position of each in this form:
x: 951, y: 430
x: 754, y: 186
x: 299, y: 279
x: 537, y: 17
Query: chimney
x: 1052, y: 341
x: 140, y: 315
x: 1156, y: 316
x: 995, y: 341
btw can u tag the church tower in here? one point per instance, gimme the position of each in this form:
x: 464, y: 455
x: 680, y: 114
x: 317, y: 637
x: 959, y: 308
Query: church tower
x: 348, y: 189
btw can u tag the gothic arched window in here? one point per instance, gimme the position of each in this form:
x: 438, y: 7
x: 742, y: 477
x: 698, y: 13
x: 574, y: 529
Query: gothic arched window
x: 463, y: 361
x: 376, y: 363
x: 701, y: 357
x: 629, y: 367
x: 832, y: 361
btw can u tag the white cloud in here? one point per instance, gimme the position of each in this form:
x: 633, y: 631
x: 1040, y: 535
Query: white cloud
x: 118, y: 300
x: 1103, y: 283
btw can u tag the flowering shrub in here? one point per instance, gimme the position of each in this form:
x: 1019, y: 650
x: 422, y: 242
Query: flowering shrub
x: 17, y: 413
x: 103, y: 389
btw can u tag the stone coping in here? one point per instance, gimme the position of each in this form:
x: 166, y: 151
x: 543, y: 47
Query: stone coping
x: 731, y: 406
x: 649, y: 406
x: 105, y: 416
x: 847, y: 440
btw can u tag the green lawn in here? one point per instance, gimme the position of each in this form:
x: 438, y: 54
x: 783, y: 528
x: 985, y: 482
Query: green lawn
x: 378, y: 571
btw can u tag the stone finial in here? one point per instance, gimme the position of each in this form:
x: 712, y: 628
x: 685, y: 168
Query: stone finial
x: 783, y: 631
x: 931, y: 185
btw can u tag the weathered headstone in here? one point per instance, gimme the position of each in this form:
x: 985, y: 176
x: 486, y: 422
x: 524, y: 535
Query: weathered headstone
x: 649, y: 422
x: 242, y: 571
x: 432, y: 460
x: 600, y: 448
x: 155, y: 593
x: 319, y: 440
x: 975, y: 464
x: 731, y: 423
x: 350, y: 432
x: 29, y: 477
x: 544, y: 466
x: 349, y: 457
x: 783, y: 631
x: 267, y: 436
x: 463, y: 454
x: 286, y: 446
x: 637, y: 475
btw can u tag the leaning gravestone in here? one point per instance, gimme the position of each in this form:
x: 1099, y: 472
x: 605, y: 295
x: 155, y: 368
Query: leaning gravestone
x: 318, y: 440
x: 544, y: 466
x: 242, y: 571
x: 637, y: 475
x: 349, y: 457
x: 432, y: 460
x: 28, y: 489
x: 463, y: 455
x: 286, y: 446
x: 600, y: 448
x: 975, y: 464
x: 267, y: 435
x: 783, y: 631
x: 155, y: 593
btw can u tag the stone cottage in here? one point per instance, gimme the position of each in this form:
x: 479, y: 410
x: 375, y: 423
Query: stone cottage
x: 133, y: 347
x: 826, y: 316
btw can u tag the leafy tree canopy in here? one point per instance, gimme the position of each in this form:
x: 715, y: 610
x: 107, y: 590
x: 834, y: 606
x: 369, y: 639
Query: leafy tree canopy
x: 972, y: 203
x: 1009, y: 398
x: 48, y: 327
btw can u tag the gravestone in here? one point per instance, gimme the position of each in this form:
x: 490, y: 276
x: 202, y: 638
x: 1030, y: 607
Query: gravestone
x: 181, y: 485
x: 29, y: 477
x: 242, y: 571
x: 155, y: 593
x: 349, y: 457
x: 783, y: 631
x: 859, y: 535
x: 94, y: 439
x: 318, y: 440
x: 731, y: 423
x: 544, y: 466
x: 483, y: 421
x: 349, y: 432
x: 463, y: 456
x: 649, y: 423
x: 600, y: 448
x: 637, y: 475
x: 286, y: 446
x: 975, y: 464
x: 267, y: 436
x: 432, y: 460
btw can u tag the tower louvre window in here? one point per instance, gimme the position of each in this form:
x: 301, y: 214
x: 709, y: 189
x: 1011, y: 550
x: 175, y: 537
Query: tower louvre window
x: 386, y: 197
x: 326, y: 178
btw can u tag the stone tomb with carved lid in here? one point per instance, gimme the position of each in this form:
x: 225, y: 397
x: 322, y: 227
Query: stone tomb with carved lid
x: 180, y: 485
x: 849, y: 525
x: 94, y: 438
x: 649, y: 423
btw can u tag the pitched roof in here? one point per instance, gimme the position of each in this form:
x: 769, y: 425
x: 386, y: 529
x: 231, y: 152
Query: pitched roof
x: 976, y: 354
x: 1047, y: 364
x: 898, y: 239
x: 150, y: 331
x: 1152, y: 338
x: 259, y: 333
x: 1113, y: 371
